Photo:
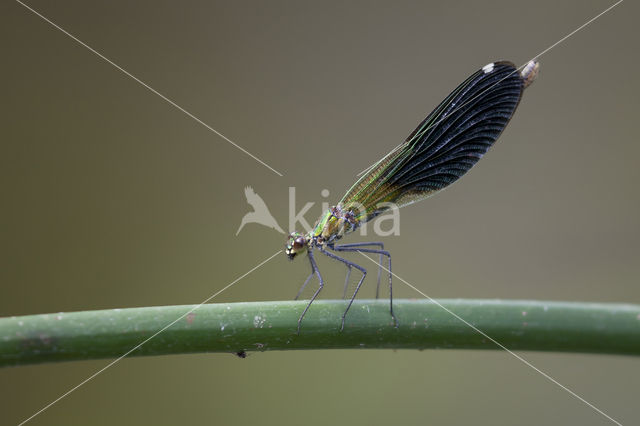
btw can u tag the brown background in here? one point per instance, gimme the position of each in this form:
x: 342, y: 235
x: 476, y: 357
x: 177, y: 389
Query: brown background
x: 113, y: 198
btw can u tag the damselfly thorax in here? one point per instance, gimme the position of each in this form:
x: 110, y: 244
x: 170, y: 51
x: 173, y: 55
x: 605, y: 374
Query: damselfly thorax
x: 335, y: 223
x: 443, y: 147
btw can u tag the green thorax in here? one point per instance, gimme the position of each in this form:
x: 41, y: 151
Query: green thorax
x: 333, y: 224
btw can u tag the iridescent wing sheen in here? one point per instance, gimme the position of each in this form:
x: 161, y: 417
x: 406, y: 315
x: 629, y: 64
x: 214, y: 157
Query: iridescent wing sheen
x: 445, y: 145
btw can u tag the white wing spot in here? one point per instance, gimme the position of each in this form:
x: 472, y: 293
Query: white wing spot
x: 488, y: 68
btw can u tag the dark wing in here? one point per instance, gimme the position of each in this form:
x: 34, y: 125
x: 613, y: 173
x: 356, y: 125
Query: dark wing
x: 445, y: 145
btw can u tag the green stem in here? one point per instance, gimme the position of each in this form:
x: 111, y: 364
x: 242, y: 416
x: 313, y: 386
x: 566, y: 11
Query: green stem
x: 234, y: 327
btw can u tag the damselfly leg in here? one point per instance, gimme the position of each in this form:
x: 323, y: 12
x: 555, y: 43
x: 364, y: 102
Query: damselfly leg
x: 314, y: 270
x: 350, y: 265
x: 361, y: 247
x: 383, y: 252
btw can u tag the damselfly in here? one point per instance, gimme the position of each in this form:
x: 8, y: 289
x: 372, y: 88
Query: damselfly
x: 437, y: 153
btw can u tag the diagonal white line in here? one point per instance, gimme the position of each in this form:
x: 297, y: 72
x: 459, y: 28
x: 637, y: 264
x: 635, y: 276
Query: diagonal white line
x: 148, y: 338
x: 151, y: 88
x: 577, y: 29
x: 516, y: 70
x: 500, y: 345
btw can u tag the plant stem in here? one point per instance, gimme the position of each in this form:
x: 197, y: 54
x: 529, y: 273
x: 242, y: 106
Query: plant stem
x: 259, y: 326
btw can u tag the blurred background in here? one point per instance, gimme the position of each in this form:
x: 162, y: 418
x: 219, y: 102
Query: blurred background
x: 113, y: 198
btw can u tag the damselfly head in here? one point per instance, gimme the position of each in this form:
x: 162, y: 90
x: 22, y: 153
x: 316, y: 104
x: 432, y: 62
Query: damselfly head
x: 296, y: 243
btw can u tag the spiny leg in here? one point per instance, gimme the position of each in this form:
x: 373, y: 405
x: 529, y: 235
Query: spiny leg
x: 346, y: 279
x: 381, y: 253
x: 365, y: 244
x: 350, y: 264
x: 314, y: 269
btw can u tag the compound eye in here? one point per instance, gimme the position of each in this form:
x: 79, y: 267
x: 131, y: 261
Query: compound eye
x: 298, y: 243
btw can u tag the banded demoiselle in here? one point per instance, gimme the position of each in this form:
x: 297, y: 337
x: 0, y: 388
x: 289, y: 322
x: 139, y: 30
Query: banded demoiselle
x: 437, y: 153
